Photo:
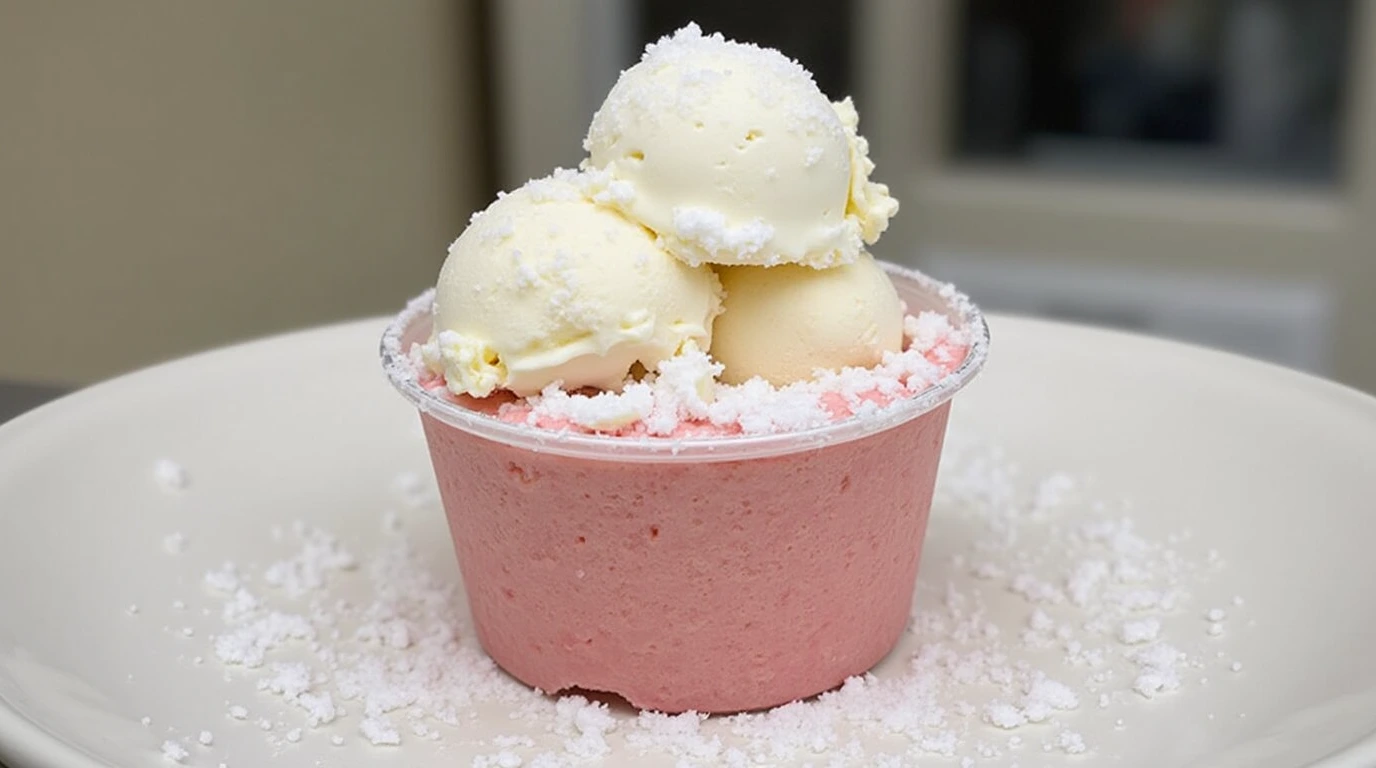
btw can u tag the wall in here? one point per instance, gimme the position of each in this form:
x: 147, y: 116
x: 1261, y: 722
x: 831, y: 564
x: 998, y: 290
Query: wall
x: 179, y: 174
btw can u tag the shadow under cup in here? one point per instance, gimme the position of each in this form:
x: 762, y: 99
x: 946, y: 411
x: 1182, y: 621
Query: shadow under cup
x: 709, y: 574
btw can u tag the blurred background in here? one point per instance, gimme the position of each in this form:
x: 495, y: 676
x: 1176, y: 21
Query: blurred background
x: 180, y: 174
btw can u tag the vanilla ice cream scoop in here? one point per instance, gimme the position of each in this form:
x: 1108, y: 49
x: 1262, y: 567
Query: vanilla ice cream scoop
x: 545, y: 286
x: 783, y: 323
x: 733, y: 155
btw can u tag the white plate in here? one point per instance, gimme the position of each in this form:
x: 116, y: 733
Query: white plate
x: 1272, y: 468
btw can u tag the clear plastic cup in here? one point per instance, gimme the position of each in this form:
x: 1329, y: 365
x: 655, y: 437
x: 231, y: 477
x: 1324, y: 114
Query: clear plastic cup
x: 708, y: 574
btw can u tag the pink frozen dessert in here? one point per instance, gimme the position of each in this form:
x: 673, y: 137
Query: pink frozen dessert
x: 685, y: 427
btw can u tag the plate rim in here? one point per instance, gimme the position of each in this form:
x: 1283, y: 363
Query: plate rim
x: 25, y: 743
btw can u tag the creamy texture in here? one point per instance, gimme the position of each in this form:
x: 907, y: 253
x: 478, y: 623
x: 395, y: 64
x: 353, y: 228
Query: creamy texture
x: 699, y: 585
x: 545, y: 286
x: 733, y: 155
x: 707, y: 582
x: 684, y: 398
x: 783, y: 323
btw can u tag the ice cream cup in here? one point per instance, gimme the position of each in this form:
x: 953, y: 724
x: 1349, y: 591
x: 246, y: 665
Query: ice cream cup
x: 709, y: 574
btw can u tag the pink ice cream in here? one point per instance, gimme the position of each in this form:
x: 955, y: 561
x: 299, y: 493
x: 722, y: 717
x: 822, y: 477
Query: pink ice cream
x: 730, y: 576
x: 710, y: 586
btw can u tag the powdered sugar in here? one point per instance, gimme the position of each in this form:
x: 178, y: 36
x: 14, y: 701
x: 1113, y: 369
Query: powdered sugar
x: 1141, y: 631
x: 1069, y: 742
x: 685, y: 51
x: 170, y: 475
x: 682, y: 397
x: 962, y: 357
x: 710, y: 233
x: 305, y: 571
x: 379, y: 732
x: 1158, y: 669
x: 987, y: 670
x: 223, y: 579
x: 173, y: 752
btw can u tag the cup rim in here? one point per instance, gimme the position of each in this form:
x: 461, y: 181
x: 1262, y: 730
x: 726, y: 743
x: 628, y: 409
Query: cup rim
x: 399, y: 366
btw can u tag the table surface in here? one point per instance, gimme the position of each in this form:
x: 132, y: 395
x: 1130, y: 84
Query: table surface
x: 16, y: 398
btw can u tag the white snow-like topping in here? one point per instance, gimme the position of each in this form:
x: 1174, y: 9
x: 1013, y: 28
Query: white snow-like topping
x: 585, y: 725
x: 1083, y: 582
x: 708, y: 230
x: 1052, y: 492
x: 1035, y: 589
x: 389, y: 642
x: 223, y: 579
x: 241, y: 604
x: 379, y: 732
x: 761, y: 409
x: 1045, y: 696
x: 248, y: 643
x: 680, y: 735
x: 685, y: 50
x: 1042, y: 698
x: 1070, y: 742
x: 171, y: 476
x: 206, y: 738
x: 1003, y: 715
x: 504, y: 759
x: 174, y: 543
x: 683, y: 391
x: 1143, y: 631
x: 306, y: 570
x: 174, y: 752
x: 926, y: 330
x: 563, y: 185
x: 295, y: 683
x: 1159, y: 669
x: 604, y: 411
x: 605, y: 190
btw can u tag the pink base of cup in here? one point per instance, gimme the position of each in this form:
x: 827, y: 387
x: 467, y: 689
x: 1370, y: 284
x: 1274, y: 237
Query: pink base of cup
x: 714, y: 586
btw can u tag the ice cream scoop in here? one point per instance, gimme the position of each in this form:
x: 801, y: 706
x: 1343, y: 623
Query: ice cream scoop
x: 733, y: 155
x: 546, y: 286
x: 783, y: 323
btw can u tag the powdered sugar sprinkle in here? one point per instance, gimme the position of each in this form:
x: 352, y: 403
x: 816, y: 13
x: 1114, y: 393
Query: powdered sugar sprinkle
x: 683, y: 397
x: 402, y: 663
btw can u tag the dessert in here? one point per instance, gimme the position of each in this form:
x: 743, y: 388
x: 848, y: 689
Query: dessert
x: 685, y: 428
x: 787, y: 321
x: 547, y: 286
x: 736, y: 156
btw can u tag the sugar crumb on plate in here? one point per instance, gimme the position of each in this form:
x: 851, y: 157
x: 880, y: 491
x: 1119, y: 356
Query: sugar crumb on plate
x: 170, y: 475
x: 174, y: 752
x: 1081, y: 590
